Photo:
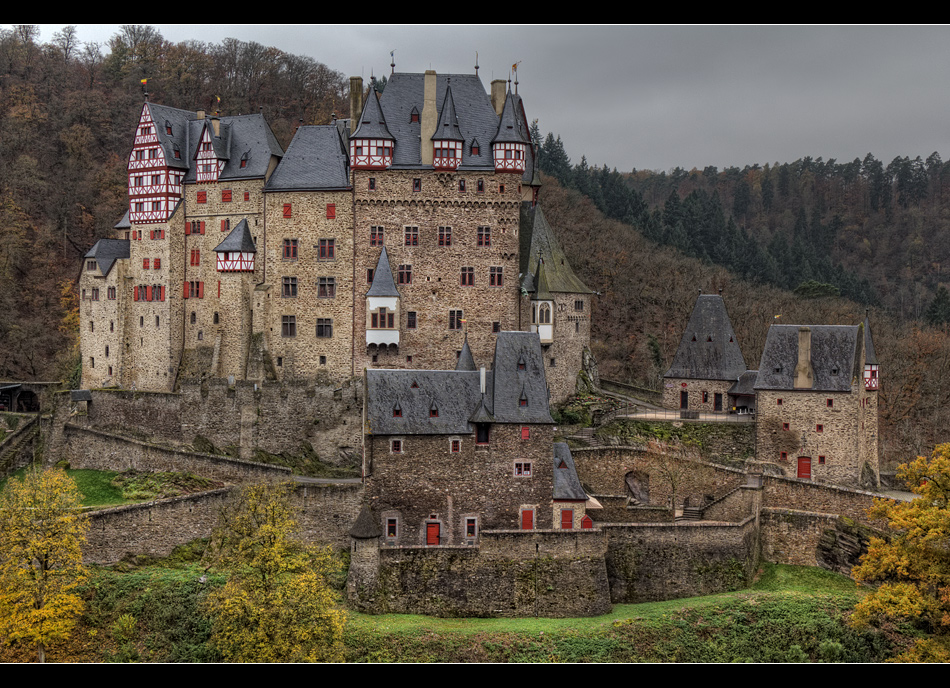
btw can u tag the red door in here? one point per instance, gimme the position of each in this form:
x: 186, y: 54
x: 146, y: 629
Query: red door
x: 527, y: 519
x: 804, y: 467
x: 567, y: 519
x: 432, y: 533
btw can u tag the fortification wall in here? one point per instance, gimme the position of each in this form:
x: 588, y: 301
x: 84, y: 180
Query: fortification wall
x: 804, y: 495
x: 807, y: 538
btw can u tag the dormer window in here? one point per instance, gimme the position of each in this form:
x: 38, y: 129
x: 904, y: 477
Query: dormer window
x: 397, y: 410
x: 177, y: 151
x: 168, y: 128
x: 244, y: 160
x: 433, y: 411
x: 414, y: 116
x: 476, y: 149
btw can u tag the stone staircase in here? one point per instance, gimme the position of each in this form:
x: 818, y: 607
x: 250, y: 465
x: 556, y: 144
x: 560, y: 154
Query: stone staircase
x: 17, y: 440
x: 690, y: 513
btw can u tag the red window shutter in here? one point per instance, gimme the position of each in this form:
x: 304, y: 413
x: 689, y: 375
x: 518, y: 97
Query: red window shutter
x: 135, y: 293
x: 186, y: 290
x: 247, y: 195
x: 163, y: 234
x: 202, y: 231
x: 224, y: 225
x: 287, y: 211
x: 162, y: 293
x: 226, y: 195
x: 151, y: 234
x: 157, y: 264
x: 331, y: 211
x: 525, y: 433
x: 202, y: 196
x: 201, y: 290
x: 148, y: 293
x: 187, y: 229
x: 145, y: 263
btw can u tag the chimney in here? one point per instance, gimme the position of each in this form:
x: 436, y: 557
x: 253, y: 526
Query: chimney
x: 804, y: 373
x: 498, y: 95
x: 201, y: 114
x: 430, y: 118
x: 356, y: 101
x: 216, y: 125
x: 481, y: 378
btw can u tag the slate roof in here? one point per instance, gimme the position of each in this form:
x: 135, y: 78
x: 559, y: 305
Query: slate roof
x: 833, y: 348
x: 372, y: 121
x: 316, y: 160
x: 476, y: 116
x: 107, y: 252
x: 509, y: 128
x: 537, y: 236
x: 530, y: 171
x: 745, y: 385
x: 238, y: 241
x: 870, y: 358
x: 466, y: 360
x: 366, y: 526
x: 709, y: 349
x: 457, y: 396
x: 566, y: 483
x: 383, y: 282
x: 239, y: 135
x: 124, y: 223
x: 447, y: 128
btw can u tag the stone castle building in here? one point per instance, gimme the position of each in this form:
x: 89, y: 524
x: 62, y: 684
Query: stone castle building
x: 381, y: 241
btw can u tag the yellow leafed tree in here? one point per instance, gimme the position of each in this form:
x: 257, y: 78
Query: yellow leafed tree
x: 42, y: 530
x: 914, y: 565
x: 277, y: 606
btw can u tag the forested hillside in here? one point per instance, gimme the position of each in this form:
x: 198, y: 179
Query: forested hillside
x: 66, y: 115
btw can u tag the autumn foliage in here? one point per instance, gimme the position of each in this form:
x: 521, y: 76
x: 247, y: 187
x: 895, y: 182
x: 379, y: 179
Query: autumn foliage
x: 914, y: 564
x: 42, y: 531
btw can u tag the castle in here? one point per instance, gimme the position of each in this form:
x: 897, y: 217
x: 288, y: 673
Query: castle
x: 383, y: 241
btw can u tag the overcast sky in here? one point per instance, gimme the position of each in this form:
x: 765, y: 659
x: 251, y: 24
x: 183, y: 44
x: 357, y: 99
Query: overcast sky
x: 658, y: 97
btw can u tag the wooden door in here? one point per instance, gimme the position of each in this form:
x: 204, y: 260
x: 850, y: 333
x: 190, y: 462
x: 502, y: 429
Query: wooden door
x: 804, y: 467
x: 432, y: 533
x: 567, y: 519
x: 684, y: 400
x: 527, y: 519
x: 717, y: 402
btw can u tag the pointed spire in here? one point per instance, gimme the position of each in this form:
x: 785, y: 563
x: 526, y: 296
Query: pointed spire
x: 383, y: 282
x: 238, y: 241
x: 541, y: 291
x: 448, y: 127
x: 372, y: 121
x: 466, y: 360
x: 508, y: 129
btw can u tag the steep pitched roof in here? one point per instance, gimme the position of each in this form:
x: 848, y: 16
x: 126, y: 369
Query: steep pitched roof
x: 316, y: 160
x: 835, y: 357
x: 745, y: 385
x: 457, y: 393
x: 372, y: 122
x: 509, y: 128
x: 107, y: 252
x: 477, y: 118
x: 447, y: 128
x: 708, y: 349
x: 366, y: 526
x: 566, y: 483
x: 123, y: 223
x: 536, y: 238
x: 383, y: 282
x: 239, y: 240
x: 870, y: 358
x: 245, y: 138
x: 466, y: 360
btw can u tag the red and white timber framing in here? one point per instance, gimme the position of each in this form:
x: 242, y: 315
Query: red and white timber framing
x: 208, y: 167
x: 371, y: 154
x: 232, y: 261
x: 447, y: 155
x: 509, y: 157
x: 871, y: 376
x: 154, y: 189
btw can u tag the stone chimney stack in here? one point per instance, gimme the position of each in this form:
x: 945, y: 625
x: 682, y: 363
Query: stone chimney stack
x: 216, y: 125
x: 804, y: 372
x: 356, y: 101
x: 430, y: 118
x: 498, y: 95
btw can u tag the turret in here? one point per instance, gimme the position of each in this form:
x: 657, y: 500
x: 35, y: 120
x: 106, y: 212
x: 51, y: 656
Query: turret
x: 371, y: 145
x: 509, y: 144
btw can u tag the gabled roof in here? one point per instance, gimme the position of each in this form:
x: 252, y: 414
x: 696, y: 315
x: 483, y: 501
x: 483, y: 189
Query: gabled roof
x: 447, y: 128
x: 163, y: 117
x: 383, y: 282
x: 709, y: 349
x: 243, y: 137
x: 372, y: 123
x: 457, y: 393
x: 835, y: 357
x: 566, y: 483
x: 315, y: 161
x: 477, y: 118
x: 745, y: 385
x: 107, y: 252
x: 238, y: 241
x: 538, y: 237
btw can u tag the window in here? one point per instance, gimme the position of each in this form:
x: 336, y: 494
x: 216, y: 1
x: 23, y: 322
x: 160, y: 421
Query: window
x: 396, y: 446
x: 455, y: 446
x: 95, y: 292
x: 156, y: 179
x: 783, y: 456
x: 226, y: 225
x: 411, y: 320
x: 288, y: 326
x: 404, y: 274
x: 523, y: 401
x: 145, y: 263
x: 331, y: 211
x: 326, y: 249
x: 194, y: 317
x: 522, y: 469
x: 525, y: 432
x: 290, y: 288
x: 206, y: 146
x: 194, y: 290
x: 821, y: 460
x: 288, y: 213
x: 778, y: 402
x: 830, y: 403
x: 819, y: 428
x: 462, y: 185
x: 383, y: 319
x: 140, y: 207
x: 578, y: 305
x: 226, y: 195
x: 290, y: 249
x: 324, y: 328
x: 202, y: 197
x: 476, y: 149
x: 247, y: 195
x: 785, y: 426
x: 110, y: 293
x: 480, y: 186
x: 433, y: 411
x: 392, y: 528
x: 412, y: 236
x: 196, y: 256
x: 157, y: 264
x: 216, y: 318
x: 372, y: 183
x: 501, y: 188
x: 323, y: 360
x: 156, y: 206
x: 177, y: 152
x: 140, y: 155
x: 92, y: 326
x: 375, y: 236
x: 445, y: 236
x: 369, y: 275
x: 92, y: 361
x: 153, y: 153
x: 417, y: 184
x: 90, y: 265
x: 244, y: 161
x: 553, y: 362
x: 326, y: 288
x: 484, y: 236
x: 471, y: 527
x: 468, y: 277
x: 482, y: 433
x: 495, y: 277
x: 455, y: 320
x: 496, y: 327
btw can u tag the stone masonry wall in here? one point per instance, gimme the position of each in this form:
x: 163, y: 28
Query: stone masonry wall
x: 695, y: 389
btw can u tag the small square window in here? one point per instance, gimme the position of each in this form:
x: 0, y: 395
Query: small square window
x: 326, y: 288
x: 522, y: 469
x: 456, y: 446
x: 778, y: 402
x: 392, y: 528
x: 461, y: 185
x: 324, y: 328
x: 417, y: 184
x: 783, y: 456
x: 372, y: 183
x: 225, y: 195
x: 830, y: 403
x: 819, y: 428
x: 247, y: 195
x: 288, y: 210
x: 501, y: 188
x: 471, y: 527
x: 784, y: 426
x: 821, y: 460
x: 496, y: 327
x: 326, y: 249
x: 323, y: 360
x: 397, y: 446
